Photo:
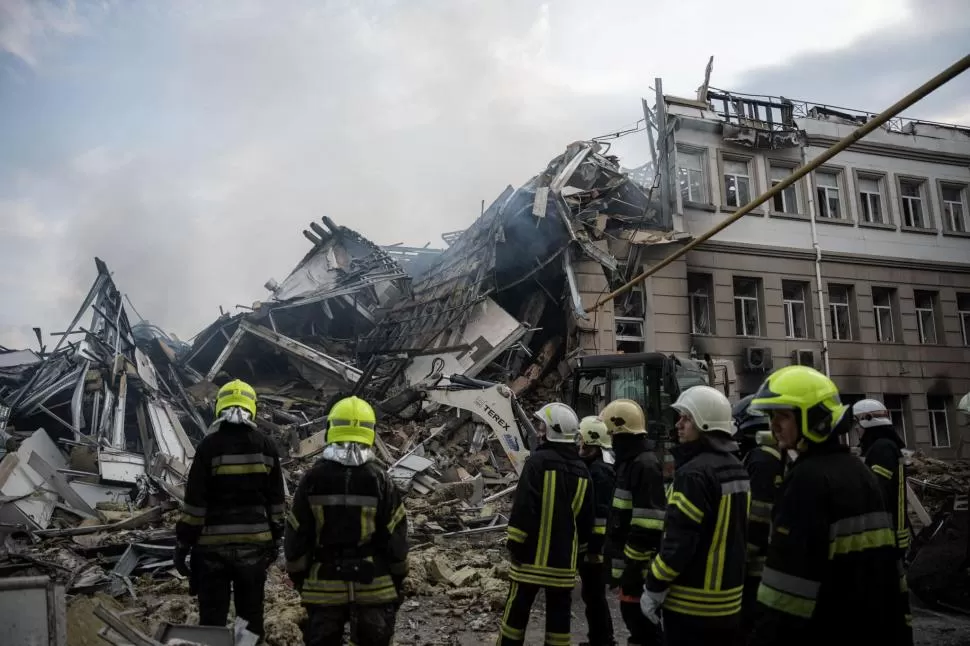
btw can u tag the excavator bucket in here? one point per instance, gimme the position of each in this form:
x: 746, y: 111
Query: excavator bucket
x: 939, y: 571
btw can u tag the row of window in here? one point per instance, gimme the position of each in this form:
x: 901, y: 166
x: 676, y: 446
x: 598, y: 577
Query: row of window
x: 899, y: 408
x: 796, y: 301
x: 831, y: 192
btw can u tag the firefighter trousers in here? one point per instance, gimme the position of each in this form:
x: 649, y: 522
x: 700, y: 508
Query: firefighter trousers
x: 369, y: 625
x: 689, y: 630
x: 516, y: 615
x: 239, y: 574
x: 642, y: 631
x: 594, y: 578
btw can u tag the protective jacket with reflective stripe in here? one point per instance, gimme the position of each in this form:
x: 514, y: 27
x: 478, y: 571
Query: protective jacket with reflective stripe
x: 882, y: 450
x: 833, y: 575
x: 551, y: 522
x: 603, y: 481
x: 766, y: 469
x: 346, y: 518
x: 702, y: 556
x: 637, y: 515
x: 234, y: 493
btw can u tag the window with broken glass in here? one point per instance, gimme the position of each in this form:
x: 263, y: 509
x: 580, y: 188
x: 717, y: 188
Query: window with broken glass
x: 793, y: 299
x: 691, y: 176
x: 870, y: 199
x: 699, y: 287
x: 954, y: 207
x: 787, y: 200
x: 939, y: 428
x: 926, y: 316
x: 839, y: 312
x: 911, y: 194
x: 896, y: 405
x: 737, y: 183
x: 747, y: 312
x: 882, y: 307
x: 629, y: 333
x: 828, y: 195
x: 963, y: 311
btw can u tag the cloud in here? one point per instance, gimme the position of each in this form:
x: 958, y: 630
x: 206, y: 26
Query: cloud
x: 188, y: 144
x: 27, y: 26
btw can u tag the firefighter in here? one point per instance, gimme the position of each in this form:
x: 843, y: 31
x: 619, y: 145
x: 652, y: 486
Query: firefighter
x: 636, y: 515
x: 833, y: 574
x: 881, y: 449
x: 232, y: 518
x: 698, y: 575
x: 346, y: 536
x: 550, y: 528
x: 594, y: 571
x: 766, y: 469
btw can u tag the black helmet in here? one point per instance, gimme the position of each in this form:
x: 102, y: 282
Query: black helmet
x: 749, y: 422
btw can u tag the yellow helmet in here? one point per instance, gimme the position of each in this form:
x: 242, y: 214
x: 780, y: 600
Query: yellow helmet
x: 351, y: 420
x: 594, y: 432
x: 813, y: 396
x: 624, y: 416
x: 236, y: 393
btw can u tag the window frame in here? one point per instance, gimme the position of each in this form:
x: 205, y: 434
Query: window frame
x: 964, y: 316
x: 746, y: 300
x: 702, y: 153
x: 902, y: 427
x: 931, y: 414
x: 789, y: 166
x: 963, y: 189
x: 926, y: 204
x: 708, y: 280
x: 833, y: 305
x: 724, y: 156
x: 840, y: 185
x: 933, y: 298
x: 875, y: 311
x: 788, y: 307
x: 882, y: 182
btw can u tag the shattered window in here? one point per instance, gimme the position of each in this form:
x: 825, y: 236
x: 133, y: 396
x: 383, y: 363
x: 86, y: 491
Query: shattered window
x: 591, y: 397
x: 690, y: 175
x: 786, y: 201
x: 628, y: 383
x: 954, y: 208
x: 827, y: 189
x: 870, y: 199
x: 939, y: 429
x: 882, y: 306
x: 963, y: 309
x: 796, y: 320
x: 926, y: 316
x: 839, y: 313
x: 747, y: 314
x: 737, y: 183
x: 699, y: 287
x: 911, y: 193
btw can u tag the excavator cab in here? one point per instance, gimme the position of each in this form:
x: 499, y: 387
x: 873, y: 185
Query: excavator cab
x: 651, y: 379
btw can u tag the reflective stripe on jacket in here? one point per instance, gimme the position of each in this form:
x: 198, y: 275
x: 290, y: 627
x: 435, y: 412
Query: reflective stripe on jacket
x: 637, y: 516
x: 765, y: 468
x: 234, y: 493
x: 881, y: 450
x: 552, y: 519
x: 702, y: 557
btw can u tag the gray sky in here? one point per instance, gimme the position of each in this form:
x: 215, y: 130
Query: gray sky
x: 188, y: 143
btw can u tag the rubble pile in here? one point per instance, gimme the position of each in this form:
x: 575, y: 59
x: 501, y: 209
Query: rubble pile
x: 935, y: 481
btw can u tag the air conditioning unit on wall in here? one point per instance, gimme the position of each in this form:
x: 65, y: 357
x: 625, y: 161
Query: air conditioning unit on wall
x: 757, y: 359
x: 803, y: 358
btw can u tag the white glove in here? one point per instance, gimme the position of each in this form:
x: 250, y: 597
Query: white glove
x: 650, y: 603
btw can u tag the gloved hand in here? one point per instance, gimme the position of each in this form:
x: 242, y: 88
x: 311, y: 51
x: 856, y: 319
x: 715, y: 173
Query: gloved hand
x: 650, y: 603
x: 181, y: 552
x: 632, y: 580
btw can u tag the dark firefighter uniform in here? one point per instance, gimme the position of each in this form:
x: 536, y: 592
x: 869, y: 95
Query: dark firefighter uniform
x: 550, y: 527
x: 882, y: 451
x: 637, y: 516
x: 833, y: 575
x: 765, y: 465
x: 594, y: 570
x: 232, y: 519
x: 346, y: 536
x: 701, y: 564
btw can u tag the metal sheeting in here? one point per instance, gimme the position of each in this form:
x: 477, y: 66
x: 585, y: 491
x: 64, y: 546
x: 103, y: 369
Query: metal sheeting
x: 170, y: 438
x: 35, y: 499
x: 121, y: 466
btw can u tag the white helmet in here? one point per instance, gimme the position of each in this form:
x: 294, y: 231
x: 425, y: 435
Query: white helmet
x: 561, y: 422
x: 594, y: 432
x: 871, y: 412
x: 964, y: 404
x: 708, y: 407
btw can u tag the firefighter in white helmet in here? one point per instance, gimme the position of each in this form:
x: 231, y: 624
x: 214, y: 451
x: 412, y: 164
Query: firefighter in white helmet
x: 698, y: 575
x: 594, y: 570
x: 636, y: 515
x: 881, y: 448
x: 549, y: 529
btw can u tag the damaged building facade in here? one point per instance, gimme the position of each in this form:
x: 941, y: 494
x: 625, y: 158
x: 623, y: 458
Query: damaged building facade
x: 884, y: 304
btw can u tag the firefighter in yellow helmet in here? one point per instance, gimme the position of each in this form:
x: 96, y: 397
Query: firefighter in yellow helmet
x: 346, y: 536
x: 833, y: 574
x: 232, y: 517
x: 594, y: 570
x: 636, y: 519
